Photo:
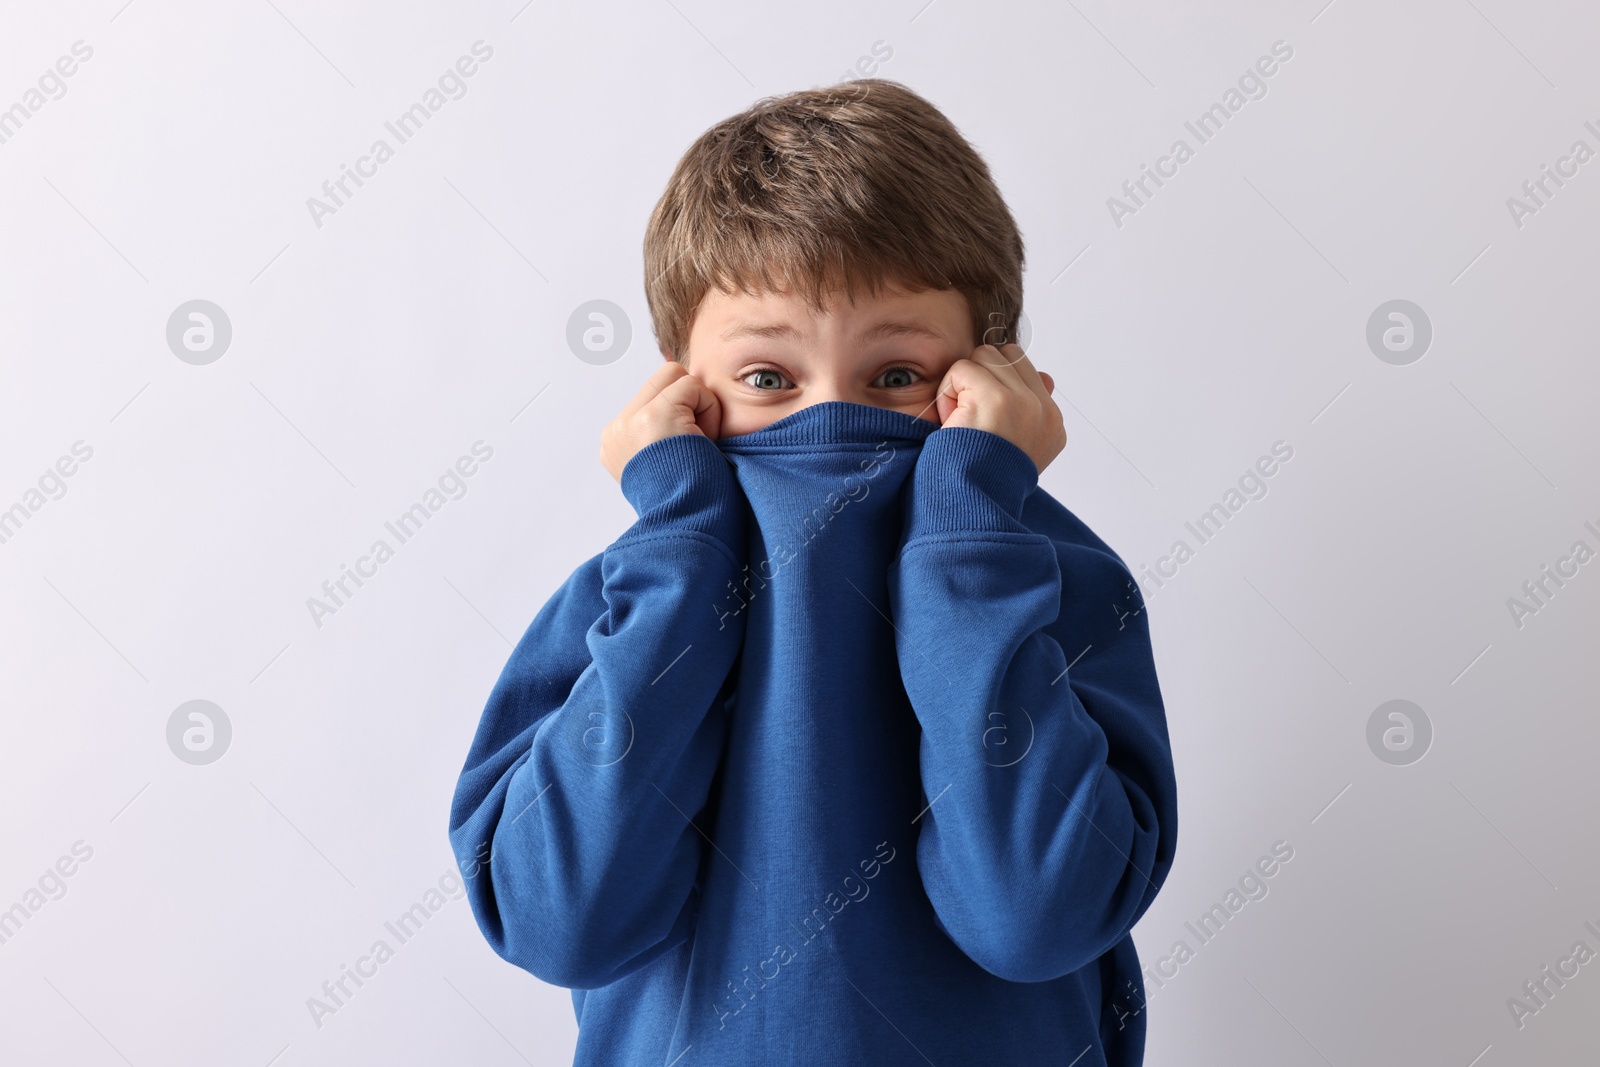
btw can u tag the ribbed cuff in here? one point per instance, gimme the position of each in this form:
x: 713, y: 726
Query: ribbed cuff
x: 681, y: 483
x: 970, y: 480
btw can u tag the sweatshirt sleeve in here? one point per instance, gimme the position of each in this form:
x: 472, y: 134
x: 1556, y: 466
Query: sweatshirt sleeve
x: 1052, y: 817
x: 571, y: 820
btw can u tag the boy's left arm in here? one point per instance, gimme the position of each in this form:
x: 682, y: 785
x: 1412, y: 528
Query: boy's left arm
x: 1053, y: 814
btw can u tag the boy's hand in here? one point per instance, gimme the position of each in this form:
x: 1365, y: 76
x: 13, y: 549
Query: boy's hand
x: 999, y: 390
x: 671, y: 401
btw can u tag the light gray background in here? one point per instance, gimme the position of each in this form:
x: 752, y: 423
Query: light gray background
x: 431, y: 312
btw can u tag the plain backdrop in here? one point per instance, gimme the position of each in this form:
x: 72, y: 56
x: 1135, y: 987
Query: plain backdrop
x: 372, y: 346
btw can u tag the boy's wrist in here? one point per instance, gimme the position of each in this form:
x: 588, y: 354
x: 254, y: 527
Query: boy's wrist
x: 970, y: 480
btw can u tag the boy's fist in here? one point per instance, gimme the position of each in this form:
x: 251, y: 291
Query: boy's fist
x: 671, y: 401
x: 999, y: 390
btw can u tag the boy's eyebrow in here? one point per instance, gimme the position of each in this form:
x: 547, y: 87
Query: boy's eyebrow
x: 893, y: 328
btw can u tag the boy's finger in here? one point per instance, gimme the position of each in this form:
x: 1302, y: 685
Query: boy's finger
x: 653, y: 386
x: 963, y: 374
x: 1010, y: 364
x: 1029, y: 373
x: 690, y: 396
x: 1001, y: 355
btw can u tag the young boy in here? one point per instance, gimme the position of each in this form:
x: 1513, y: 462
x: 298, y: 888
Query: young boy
x: 850, y: 750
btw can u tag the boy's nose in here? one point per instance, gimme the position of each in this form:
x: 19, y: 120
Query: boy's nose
x: 822, y: 388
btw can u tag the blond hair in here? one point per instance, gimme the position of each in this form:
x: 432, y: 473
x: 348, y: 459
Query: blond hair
x: 848, y: 187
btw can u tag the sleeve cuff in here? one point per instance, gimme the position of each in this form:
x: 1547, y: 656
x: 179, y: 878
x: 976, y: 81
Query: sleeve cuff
x: 684, y: 483
x: 969, y: 480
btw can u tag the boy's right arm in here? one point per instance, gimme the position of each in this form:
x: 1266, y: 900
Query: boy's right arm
x: 599, y: 742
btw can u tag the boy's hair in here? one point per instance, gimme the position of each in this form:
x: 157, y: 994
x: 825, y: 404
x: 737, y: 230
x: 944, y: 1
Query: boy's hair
x: 845, y: 187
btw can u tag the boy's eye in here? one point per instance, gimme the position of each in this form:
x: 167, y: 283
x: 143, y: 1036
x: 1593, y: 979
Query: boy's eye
x: 893, y: 371
x: 768, y: 379
x: 766, y: 375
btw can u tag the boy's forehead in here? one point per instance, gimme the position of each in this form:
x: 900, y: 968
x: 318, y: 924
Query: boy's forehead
x: 893, y: 310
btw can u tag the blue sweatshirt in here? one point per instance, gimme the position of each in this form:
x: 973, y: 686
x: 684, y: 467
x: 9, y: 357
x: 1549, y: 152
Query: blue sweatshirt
x: 850, y: 750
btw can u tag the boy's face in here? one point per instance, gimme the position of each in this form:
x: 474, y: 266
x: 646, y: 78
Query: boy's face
x: 768, y: 356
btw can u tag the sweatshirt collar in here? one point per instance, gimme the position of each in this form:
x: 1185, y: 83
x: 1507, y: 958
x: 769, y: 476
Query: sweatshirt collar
x: 831, y: 422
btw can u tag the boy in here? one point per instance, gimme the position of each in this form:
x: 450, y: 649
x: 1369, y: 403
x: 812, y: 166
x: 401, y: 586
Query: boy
x: 850, y: 750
